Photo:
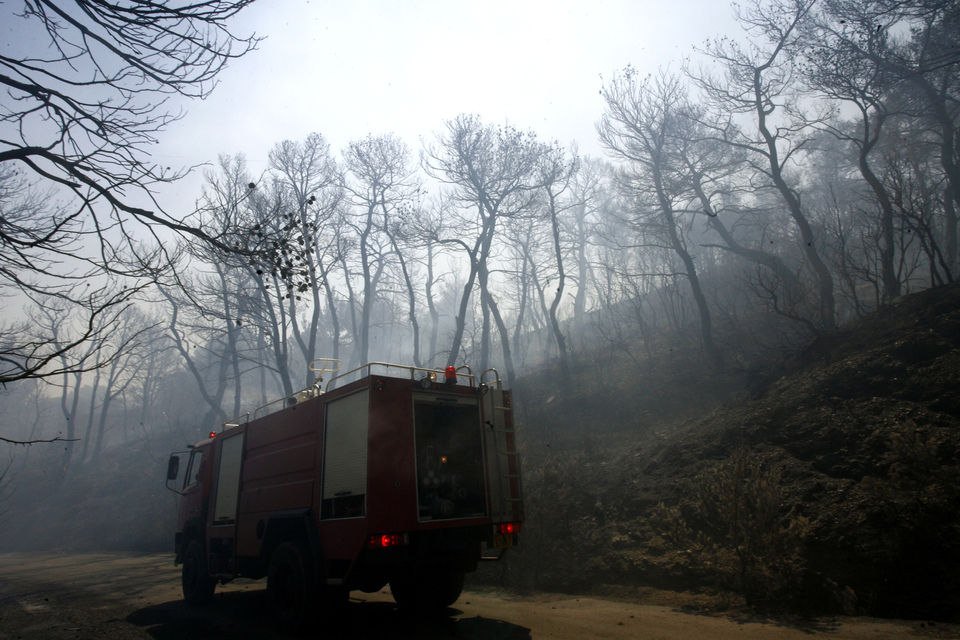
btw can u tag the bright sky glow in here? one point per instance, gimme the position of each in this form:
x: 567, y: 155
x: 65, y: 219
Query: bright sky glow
x: 347, y: 68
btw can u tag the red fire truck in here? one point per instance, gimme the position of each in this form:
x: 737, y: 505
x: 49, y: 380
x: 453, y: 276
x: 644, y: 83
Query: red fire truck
x: 386, y: 474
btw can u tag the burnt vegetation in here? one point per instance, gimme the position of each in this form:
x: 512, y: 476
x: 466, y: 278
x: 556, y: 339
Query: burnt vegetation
x: 824, y: 480
x: 733, y: 344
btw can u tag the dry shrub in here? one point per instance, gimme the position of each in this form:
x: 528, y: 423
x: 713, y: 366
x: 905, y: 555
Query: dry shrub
x: 737, y: 531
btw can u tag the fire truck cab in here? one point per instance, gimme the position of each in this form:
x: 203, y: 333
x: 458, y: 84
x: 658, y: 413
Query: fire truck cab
x: 388, y: 474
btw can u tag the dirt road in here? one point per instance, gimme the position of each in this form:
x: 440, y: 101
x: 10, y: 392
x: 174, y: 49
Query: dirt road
x: 138, y: 596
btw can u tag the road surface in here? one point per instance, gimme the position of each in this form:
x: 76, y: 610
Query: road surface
x: 120, y: 596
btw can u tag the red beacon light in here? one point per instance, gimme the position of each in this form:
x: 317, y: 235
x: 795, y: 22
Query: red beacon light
x: 213, y: 434
x: 450, y: 374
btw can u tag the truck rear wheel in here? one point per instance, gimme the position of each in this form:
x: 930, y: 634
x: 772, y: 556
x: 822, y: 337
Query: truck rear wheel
x: 197, y: 584
x: 430, y: 590
x: 289, y: 583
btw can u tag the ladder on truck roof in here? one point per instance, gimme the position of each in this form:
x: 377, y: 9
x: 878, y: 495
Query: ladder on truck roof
x: 509, y: 506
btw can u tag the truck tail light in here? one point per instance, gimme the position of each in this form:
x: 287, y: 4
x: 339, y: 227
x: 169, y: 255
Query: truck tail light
x: 388, y: 540
x: 507, y: 528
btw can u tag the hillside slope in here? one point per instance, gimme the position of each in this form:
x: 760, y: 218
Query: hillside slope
x: 852, y: 450
x: 834, y: 484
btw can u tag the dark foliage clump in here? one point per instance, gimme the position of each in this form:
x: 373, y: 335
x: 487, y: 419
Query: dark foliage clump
x: 737, y: 531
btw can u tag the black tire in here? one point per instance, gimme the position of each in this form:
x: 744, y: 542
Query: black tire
x: 425, y: 591
x: 335, y: 597
x: 197, y: 584
x: 290, y: 585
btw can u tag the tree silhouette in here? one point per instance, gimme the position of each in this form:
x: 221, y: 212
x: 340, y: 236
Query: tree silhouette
x: 85, y: 96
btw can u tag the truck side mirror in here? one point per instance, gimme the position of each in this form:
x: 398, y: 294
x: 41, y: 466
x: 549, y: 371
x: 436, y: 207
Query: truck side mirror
x: 173, y: 467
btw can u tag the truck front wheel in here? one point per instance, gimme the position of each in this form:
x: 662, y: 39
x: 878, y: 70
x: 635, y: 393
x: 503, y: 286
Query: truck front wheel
x: 197, y: 584
x: 289, y: 584
x: 430, y: 590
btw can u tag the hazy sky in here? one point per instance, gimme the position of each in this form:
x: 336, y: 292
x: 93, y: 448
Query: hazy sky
x: 346, y: 68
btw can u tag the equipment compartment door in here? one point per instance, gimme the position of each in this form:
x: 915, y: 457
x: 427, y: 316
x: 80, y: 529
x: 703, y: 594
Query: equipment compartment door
x: 450, y: 478
x: 345, y: 457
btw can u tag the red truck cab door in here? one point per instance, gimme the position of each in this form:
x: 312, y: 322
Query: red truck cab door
x: 223, y: 500
x: 195, y: 485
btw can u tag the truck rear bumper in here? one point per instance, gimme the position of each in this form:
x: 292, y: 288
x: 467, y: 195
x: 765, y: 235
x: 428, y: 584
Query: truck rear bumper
x: 456, y: 549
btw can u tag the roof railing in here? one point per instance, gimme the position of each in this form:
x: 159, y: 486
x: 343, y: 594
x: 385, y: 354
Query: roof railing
x: 330, y: 365
x: 412, y: 370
